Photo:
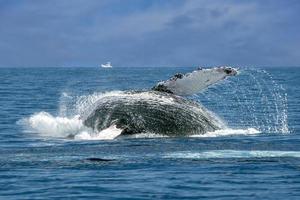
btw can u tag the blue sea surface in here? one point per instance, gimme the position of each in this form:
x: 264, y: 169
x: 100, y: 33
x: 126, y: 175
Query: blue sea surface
x: 256, y: 157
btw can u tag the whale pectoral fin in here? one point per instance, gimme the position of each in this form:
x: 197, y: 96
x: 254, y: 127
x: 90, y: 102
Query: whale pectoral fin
x: 194, y: 82
x: 110, y: 133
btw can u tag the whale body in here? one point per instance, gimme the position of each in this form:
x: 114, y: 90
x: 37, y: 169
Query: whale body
x: 161, y: 110
x: 151, y: 111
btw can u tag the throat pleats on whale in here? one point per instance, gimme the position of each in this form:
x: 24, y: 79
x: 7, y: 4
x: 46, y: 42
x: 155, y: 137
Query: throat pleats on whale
x: 155, y: 112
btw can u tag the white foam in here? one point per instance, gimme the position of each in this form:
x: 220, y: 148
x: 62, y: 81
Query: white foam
x: 45, y: 124
x: 232, y: 154
x: 229, y: 132
x: 148, y: 135
x: 48, y: 125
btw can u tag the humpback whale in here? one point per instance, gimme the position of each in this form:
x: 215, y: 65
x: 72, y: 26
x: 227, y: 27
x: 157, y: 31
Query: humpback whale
x: 161, y: 110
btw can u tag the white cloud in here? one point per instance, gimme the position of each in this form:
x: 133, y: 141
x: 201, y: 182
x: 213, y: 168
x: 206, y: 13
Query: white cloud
x: 183, y: 33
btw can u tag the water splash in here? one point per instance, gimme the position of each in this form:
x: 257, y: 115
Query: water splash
x: 251, y: 103
x: 45, y: 124
x: 254, y: 97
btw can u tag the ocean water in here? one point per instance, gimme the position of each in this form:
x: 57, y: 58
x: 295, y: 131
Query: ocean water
x: 256, y: 156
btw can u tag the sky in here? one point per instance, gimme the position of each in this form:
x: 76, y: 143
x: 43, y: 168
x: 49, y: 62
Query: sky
x: 149, y: 33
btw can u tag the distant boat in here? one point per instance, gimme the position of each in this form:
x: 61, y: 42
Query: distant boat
x: 107, y: 65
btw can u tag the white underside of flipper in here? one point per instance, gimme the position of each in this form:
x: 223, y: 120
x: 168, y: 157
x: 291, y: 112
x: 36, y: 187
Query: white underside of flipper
x: 109, y: 133
x: 196, y: 81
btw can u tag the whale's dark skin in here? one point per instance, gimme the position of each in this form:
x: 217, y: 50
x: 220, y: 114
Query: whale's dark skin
x: 160, y: 110
x: 152, y: 111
